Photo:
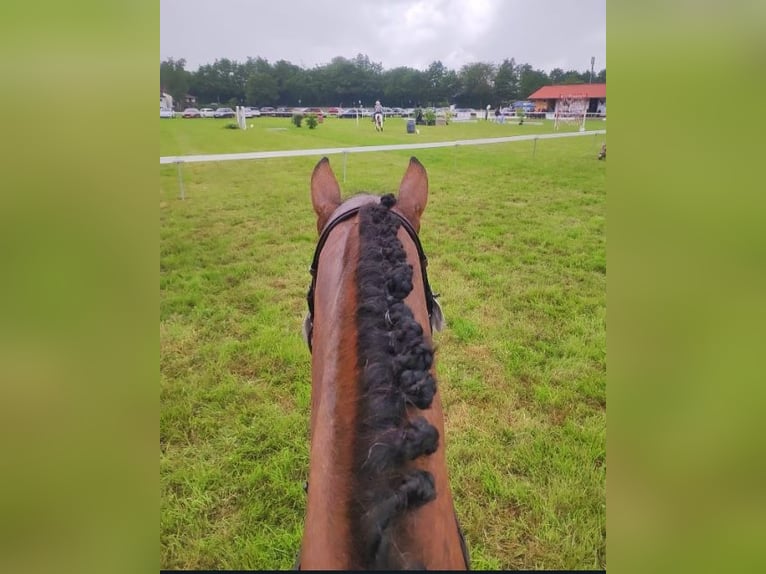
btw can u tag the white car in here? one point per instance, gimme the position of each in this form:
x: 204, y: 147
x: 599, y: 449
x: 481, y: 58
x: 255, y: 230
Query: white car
x: 206, y: 112
x: 252, y: 113
x: 166, y: 113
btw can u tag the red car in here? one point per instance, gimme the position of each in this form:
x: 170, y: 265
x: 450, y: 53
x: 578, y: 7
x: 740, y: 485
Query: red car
x: 191, y: 113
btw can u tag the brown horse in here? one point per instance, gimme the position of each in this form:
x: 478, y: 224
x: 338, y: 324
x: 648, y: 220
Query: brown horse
x: 378, y: 494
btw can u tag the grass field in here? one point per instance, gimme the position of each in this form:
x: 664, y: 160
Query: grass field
x: 207, y: 135
x: 516, y: 245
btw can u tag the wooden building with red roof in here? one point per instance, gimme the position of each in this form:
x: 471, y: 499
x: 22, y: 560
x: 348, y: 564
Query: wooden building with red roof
x: 549, y: 98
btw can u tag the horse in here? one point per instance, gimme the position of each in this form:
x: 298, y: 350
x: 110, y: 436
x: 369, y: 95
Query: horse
x: 378, y: 119
x: 378, y: 488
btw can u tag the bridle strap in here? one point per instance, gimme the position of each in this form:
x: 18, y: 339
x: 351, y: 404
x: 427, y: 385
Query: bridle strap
x: 345, y: 216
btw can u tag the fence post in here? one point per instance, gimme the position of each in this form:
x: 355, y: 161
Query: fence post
x: 181, y: 179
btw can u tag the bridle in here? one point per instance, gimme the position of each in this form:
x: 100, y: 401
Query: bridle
x: 344, y: 213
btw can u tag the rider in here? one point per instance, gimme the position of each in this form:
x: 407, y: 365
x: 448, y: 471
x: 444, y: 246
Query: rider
x: 378, y: 111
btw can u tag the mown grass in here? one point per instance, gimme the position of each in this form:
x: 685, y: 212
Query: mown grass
x: 516, y: 245
x: 209, y: 135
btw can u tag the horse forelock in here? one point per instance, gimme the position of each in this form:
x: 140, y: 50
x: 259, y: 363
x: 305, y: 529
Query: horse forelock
x: 394, y: 360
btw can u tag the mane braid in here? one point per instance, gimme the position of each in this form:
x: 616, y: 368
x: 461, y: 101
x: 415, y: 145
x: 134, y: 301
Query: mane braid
x: 394, y: 361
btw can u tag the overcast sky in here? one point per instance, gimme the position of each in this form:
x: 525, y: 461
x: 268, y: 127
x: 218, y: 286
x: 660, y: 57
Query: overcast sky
x: 548, y: 34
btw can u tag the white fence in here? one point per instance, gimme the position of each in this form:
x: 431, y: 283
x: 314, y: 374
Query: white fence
x: 364, y: 149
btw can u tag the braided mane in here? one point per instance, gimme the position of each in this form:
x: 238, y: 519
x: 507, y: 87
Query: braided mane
x: 394, y: 361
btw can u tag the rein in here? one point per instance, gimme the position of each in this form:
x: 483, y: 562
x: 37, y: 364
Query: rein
x: 344, y: 215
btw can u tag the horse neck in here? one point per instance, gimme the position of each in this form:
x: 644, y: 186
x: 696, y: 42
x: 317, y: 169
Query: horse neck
x: 431, y: 532
x: 428, y: 535
x: 327, y: 534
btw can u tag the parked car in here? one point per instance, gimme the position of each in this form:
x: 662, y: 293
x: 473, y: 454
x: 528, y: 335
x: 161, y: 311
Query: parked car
x: 351, y: 113
x: 224, y: 113
x: 166, y: 113
x: 267, y: 111
x: 315, y: 111
x: 191, y: 113
x: 252, y: 113
x: 333, y: 111
x: 207, y: 112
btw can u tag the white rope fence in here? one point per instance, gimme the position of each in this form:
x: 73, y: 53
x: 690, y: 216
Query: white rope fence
x: 179, y: 159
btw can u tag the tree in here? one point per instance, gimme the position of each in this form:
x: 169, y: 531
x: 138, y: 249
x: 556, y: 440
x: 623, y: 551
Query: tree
x: 340, y: 82
x: 506, y: 82
x: 343, y: 82
x: 437, y: 90
x: 368, y: 76
x: 452, y: 85
x: 257, y: 66
x: 575, y: 77
x: 531, y: 80
x: 261, y: 89
x: 401, y: 86
x: 221, y: 81
x: 557, y: 76
x: 174, y: 79
x: 287, y: 76
x: 478, y: 81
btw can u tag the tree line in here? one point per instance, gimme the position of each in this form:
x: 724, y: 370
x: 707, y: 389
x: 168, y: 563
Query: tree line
x: 345, y: 82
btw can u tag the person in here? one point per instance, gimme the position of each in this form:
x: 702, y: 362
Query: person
x: 486, y: 113
x: 498, y: 119
x: 378, y: 116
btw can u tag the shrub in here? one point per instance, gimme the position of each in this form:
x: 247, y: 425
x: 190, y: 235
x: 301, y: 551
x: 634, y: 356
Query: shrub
x: 231, y: 126
x: 297, y: 119
x: 430, y: 117
x: 311, y: 121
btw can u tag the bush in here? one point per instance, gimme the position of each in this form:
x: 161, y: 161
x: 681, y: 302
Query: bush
x: 311, y: 121
x: 231, y: 126
x: 430, y: 117
x: 297, y: 119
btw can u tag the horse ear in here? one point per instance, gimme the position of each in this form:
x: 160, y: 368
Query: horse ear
x: 413, y: 193
x: 325, y: 192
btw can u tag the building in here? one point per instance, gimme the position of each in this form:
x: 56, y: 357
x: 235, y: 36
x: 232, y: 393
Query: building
x: 551, y: 99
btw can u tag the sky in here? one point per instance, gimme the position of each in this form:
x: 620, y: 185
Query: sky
x: 550, y: 34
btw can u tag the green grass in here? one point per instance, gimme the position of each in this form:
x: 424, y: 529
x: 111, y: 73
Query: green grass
x: 209, y: 135
x: 516, y: 246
